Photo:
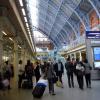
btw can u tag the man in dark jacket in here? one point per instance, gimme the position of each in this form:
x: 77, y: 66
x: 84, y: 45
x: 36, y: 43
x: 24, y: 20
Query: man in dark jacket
x: 70, y: 69
x: 37, y: 72
x: 59, y: 69
x: 29, y: 71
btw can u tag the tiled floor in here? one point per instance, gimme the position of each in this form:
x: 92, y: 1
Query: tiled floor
x: 65, y: 93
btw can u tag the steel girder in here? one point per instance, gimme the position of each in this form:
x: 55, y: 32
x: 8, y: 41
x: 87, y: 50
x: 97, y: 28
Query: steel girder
x: 60, y: 5
x: 55, y: 21
x: 77, y: 16
x: 84, y: 17
x: 43, y: 32
x: 71, y: 11
x: 55, y: 15
x: 96, y: 5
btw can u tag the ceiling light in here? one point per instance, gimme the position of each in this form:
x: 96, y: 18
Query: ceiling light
x: 23, y: 11
x: 11, y: 39
x: 25, y: 19
x: 27, y: 25
x: 21, y: 2
x: 19, y: 46
x: 4, y: 33
x: 29, y: 32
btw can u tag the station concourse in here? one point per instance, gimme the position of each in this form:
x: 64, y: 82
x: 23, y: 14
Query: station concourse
x: 50, y: 31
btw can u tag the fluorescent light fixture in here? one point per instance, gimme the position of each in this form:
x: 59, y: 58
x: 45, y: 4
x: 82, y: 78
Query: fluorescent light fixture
x: 25, y: 19
x: 11, y: 39
x: 4, y: 33
x: 28, y: 28
x: 29, y: 32
x: 5, y: 58
x: 19, y: 46
x: 21, y: 2
x: 23, y: 11
x: 27, y: 25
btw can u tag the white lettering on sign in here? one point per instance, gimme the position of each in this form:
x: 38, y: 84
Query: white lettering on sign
x: 95, y: 42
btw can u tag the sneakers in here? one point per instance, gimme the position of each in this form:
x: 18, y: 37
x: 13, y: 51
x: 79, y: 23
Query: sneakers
x: 62, y: 86
x: 53, y: 94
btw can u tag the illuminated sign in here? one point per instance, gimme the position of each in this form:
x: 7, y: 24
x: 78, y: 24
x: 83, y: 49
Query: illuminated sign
x: 97, y: 53
x: 93, y: 34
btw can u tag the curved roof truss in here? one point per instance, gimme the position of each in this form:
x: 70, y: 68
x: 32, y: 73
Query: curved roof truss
x: 55, y: 15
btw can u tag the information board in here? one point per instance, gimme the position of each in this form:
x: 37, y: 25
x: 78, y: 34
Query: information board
x: 92, y: 34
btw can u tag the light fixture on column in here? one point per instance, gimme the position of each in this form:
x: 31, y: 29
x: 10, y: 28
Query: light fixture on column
x: 10, y: 39
x: 21, y: 2
x: 23, y: 11
x: 4, y: 32
x: 25, y: 19
x: 27, y: 25
x: 19, y: 46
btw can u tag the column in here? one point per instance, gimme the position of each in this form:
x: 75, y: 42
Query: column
x: 80, y: 56
x: 15, y: 62
x: 1, y: 47
x: 25, y: 56
x: 75, y: 56
x: 70, y: 56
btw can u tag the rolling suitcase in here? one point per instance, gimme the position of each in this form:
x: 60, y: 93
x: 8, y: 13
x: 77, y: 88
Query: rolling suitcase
x: 38, y: 90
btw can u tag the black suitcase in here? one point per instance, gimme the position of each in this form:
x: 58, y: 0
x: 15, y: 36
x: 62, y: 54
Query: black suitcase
x: 38, y: 91
x: 27, y: 85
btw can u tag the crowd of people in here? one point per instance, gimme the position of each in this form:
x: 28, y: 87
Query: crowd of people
x: 50, y: 70
x: 79, y: 69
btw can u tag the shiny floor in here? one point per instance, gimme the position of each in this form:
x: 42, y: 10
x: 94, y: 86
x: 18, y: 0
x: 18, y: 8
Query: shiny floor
x: 65, y: 93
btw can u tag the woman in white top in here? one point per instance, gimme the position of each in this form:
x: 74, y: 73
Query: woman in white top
x: 80, y: 73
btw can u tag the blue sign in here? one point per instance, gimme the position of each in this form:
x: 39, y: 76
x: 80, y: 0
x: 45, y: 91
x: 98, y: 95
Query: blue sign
x: 93, y: 34
x: 97, y: 53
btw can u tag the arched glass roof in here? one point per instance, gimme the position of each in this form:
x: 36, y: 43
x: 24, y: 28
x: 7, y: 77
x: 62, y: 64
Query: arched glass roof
x: 59, y: 19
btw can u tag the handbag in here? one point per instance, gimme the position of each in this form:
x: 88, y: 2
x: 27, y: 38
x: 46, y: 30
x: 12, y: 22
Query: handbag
x: 5, y: 82
x: 58, y: 84
x: 55, y: 78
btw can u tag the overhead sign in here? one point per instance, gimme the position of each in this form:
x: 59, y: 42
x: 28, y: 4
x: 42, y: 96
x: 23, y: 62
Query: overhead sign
x: 93, y: 34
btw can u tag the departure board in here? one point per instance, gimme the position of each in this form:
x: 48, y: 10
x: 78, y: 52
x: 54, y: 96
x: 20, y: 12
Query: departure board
x: 92, y: 34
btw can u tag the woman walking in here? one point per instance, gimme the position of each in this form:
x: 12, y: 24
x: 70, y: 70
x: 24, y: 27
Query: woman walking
x: 50, y: 74
x: 87, y: 73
